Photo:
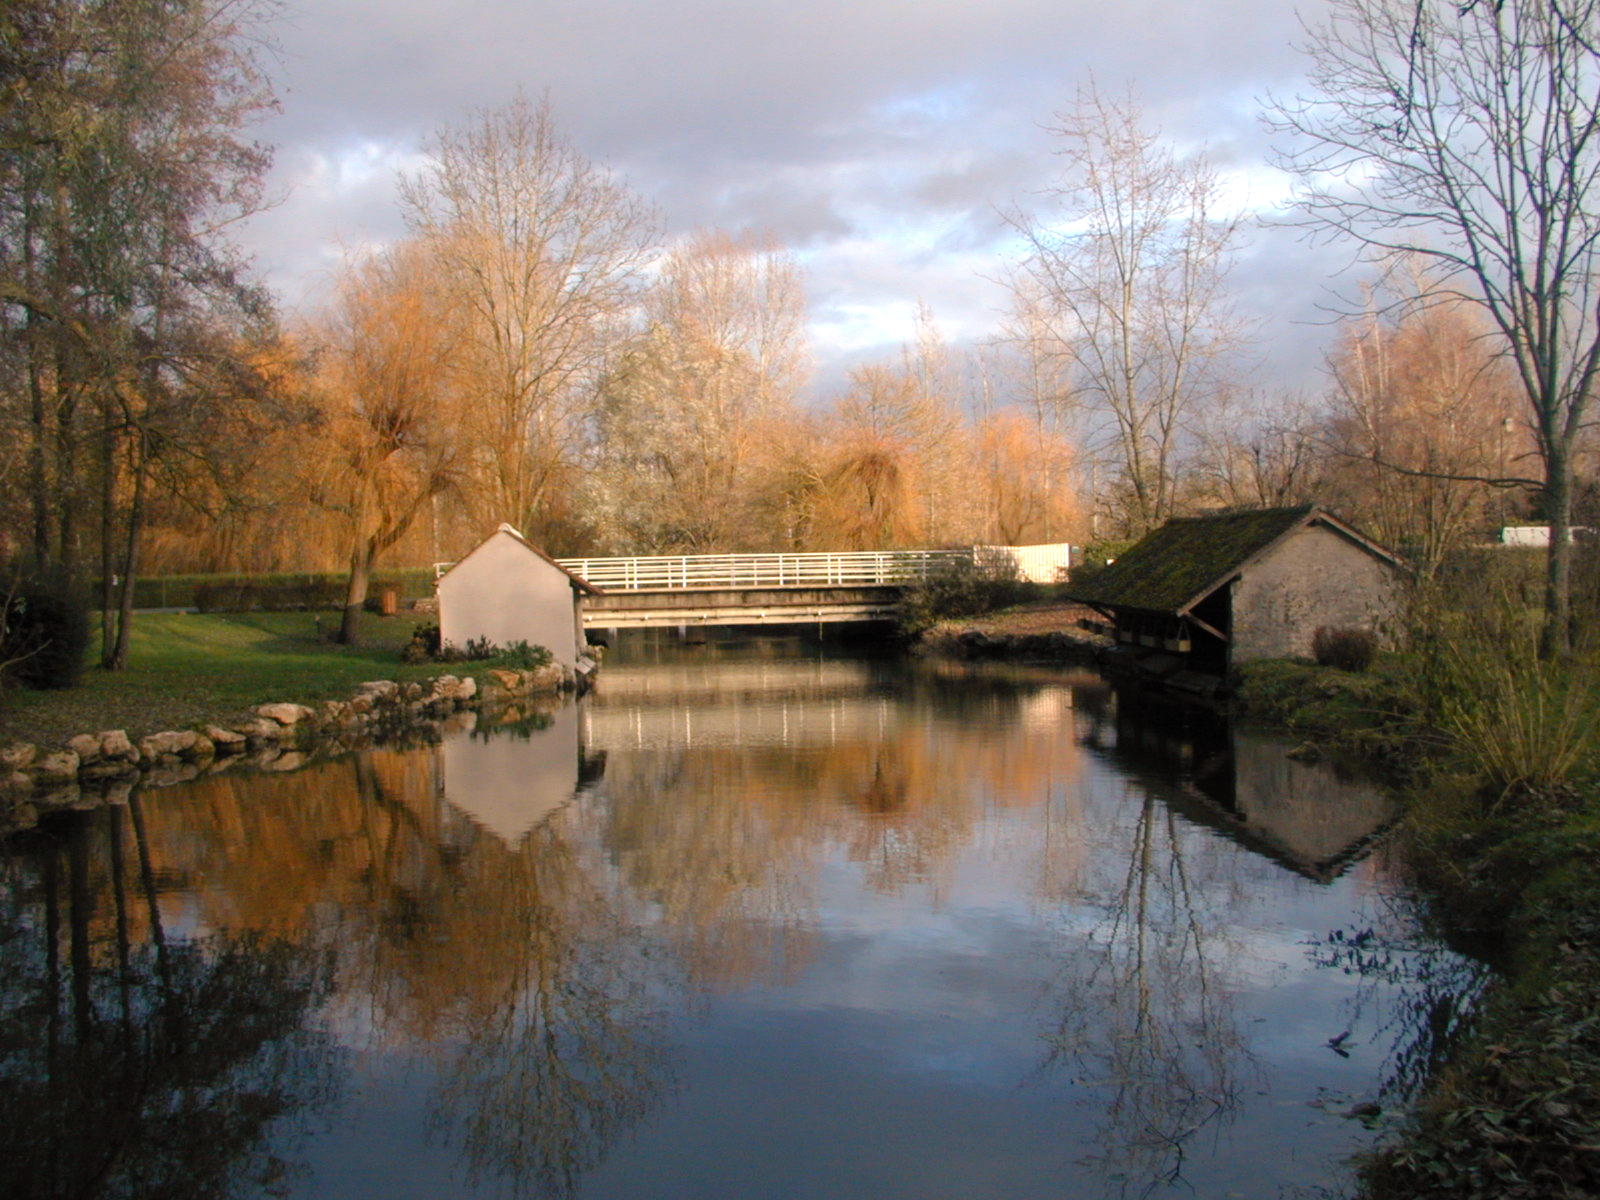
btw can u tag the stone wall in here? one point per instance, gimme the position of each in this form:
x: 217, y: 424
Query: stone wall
x: 1314, y: 577
x: 93, y: 769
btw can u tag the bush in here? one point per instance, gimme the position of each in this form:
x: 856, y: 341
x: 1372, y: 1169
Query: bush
x: 271, y: 592
x: 1343, y: 647
x: 524, y: 656
x: 426, y: 646
x: 44, y: 634
x: 1525, y: 727
x: 963, y: 589
x: 423, y: 646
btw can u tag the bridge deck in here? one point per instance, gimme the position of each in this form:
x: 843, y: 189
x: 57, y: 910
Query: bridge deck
x: 665, y: 590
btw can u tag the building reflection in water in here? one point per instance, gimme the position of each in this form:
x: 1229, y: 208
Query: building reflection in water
x: 1313, y: 817
x: 530, y: 911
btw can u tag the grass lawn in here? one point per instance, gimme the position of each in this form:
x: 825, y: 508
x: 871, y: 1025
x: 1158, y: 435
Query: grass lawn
x: 191, y: 667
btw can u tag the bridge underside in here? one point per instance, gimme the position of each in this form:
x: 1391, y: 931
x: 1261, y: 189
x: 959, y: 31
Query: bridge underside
x: 666, y: 608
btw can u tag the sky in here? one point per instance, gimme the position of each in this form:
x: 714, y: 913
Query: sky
x: 879, y: 141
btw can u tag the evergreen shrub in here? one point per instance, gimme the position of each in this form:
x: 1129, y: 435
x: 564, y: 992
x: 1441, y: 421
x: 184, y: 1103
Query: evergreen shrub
x: 1344, y: 648
x: 962, y: 589
x: 44, y: 634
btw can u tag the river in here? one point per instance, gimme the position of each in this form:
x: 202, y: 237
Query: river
x: 732, y: 928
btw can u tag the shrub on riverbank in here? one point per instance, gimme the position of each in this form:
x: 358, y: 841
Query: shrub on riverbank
x: 1517, y: 1112
x: 963, y: 589
x: 275, y: 592
x: 44, y: 635
x: 1344, y: 648
x: 1519, y: 725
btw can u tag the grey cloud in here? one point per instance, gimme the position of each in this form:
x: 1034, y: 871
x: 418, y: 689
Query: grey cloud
x: 833, y: 125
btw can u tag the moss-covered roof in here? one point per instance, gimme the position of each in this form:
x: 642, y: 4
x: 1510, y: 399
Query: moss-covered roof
x: 1187, y: 558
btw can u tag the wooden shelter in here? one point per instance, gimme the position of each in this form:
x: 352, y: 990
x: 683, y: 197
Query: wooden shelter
x: 506, y: 591
x: 1230, y: 587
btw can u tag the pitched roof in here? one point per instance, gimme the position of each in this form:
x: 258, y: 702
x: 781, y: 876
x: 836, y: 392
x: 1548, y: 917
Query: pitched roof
x: 1188, y: 558
x: 578, y: 581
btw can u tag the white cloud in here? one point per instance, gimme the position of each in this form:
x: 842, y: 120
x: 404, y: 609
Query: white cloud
x: 875, y: 138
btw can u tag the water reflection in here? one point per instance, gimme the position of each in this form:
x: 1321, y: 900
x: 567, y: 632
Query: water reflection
x: 132, y: 1062
x: 1415, y: 998
x: 818, y: 928
x: 1315, y: 818
x: 1147, y: 1012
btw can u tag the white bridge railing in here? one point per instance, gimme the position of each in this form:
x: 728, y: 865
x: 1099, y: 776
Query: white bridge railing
x: 762, y: 570
x: 1039, y: 564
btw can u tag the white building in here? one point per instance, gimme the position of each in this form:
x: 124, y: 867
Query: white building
x: 508, y: 591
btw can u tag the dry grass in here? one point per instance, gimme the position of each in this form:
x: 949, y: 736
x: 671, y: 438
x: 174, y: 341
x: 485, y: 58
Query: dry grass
x: 1023, y: 620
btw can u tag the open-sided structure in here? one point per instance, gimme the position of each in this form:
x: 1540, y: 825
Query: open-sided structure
x: 1230, y: 587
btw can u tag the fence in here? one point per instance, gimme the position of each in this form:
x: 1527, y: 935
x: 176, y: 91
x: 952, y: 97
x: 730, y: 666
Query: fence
x: 763, y: 570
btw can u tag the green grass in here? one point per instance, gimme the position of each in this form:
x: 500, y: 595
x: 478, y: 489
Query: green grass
x: 1370, y: 712
x: 187, y: 667
x: 1516, y: 1113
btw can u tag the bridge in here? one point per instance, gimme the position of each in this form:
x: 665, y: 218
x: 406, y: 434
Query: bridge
x: 663, y: 591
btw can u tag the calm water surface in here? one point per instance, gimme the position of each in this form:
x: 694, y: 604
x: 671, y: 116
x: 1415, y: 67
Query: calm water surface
x: 725, y: 930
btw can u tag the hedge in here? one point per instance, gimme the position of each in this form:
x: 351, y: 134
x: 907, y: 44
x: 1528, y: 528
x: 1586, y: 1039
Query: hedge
x: 270, y: 592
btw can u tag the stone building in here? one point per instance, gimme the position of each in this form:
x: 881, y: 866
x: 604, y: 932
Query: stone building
x: 507, y: 591
x: 1226, y: 588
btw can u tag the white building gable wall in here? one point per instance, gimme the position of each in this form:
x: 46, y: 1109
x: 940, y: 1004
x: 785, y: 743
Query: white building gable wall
x: 506, y: 593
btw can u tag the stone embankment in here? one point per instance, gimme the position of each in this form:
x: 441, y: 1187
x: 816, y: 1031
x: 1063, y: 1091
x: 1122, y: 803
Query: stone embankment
x: 103, y: 768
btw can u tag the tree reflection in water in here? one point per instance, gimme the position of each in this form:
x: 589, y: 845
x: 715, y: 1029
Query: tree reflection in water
x: 1416, y: 996
x: 190, y: 972
x: 141, y: 1066
x: 517, y: 966
x: 1146, y: 1018
x: 550, y: 1030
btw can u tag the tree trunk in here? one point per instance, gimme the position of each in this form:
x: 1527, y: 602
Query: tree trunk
x: 39, y: 476
x: 130, y: 560
x: 38, y: 472
x: 66, y: 399
x: 1555, y: 639
x: 108, y: 535
x: 355, y: 592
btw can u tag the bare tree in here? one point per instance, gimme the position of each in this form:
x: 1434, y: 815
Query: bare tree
x: 910, y: 412
x: 1420, y: 421
x: 542, y: 248
x: 1124, y: 282
x: 1254, y: 452
x: 1025, y: 480
x: 1466, y: 134
x: 683, y: 415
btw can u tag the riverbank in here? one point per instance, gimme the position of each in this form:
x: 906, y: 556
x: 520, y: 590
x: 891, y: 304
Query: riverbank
x: 205, y: 692
x: 1513, y: 1112
x: 187, y: 668
x: 1044, y: 629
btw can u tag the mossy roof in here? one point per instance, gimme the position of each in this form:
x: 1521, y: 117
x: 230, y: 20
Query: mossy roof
x: 1178, y: 565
